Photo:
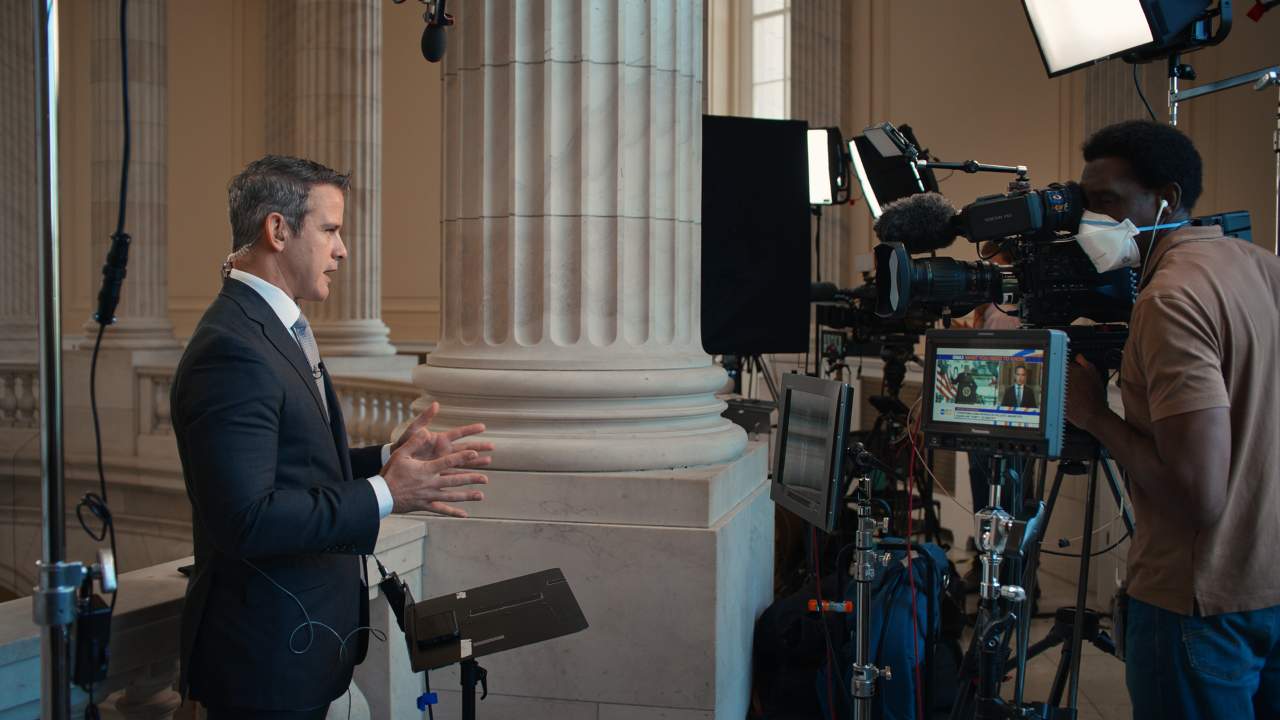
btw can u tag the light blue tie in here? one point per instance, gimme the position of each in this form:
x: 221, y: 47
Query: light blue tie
x: 302, y: 331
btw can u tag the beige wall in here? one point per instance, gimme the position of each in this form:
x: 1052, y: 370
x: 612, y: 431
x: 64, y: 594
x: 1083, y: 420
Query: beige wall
x: 968, y: 79
x: 1233, y: 129
x: 217, y: 52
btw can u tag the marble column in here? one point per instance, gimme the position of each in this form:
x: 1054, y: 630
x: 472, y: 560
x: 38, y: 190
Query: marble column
x: 571, y: 327
x: 144, y: 305
x: 19, y: 241
x: 324, y: 102
x: 817, y: 97
x: 572, y: 213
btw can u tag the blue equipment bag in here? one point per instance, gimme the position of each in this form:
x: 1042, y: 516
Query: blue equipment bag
x: 892, y: 636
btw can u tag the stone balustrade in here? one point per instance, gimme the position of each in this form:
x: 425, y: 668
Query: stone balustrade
x: 19, y: 395
x: 145, y: 636
x: 374, y: 408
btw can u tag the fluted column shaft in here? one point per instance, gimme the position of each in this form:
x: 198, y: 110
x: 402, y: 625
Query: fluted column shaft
x: 19, y: 202
x: 324, y: 102
x: 572, y: 214
x: 144, y: 303
x: 817, y: 96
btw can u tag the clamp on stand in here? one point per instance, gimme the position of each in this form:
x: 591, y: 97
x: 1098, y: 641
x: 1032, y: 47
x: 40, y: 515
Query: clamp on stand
x: 866, y: 560
x: 471, y: 674
x: 994, y: 527
x: 65, y: 603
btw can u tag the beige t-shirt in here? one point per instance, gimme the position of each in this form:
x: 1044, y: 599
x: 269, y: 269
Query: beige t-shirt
x: 1205, y: 333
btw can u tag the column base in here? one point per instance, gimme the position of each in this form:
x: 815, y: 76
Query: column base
x: 352, y: 338
x: 589, y: 420
x: 671, y: 609
x: 381, y: 367
x: 132, y: 334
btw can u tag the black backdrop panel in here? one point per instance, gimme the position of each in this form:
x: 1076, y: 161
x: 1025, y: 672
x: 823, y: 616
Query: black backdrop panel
x: 755, y: 236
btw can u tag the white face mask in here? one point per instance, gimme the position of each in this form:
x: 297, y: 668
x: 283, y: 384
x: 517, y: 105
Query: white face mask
x: 1110, y: 244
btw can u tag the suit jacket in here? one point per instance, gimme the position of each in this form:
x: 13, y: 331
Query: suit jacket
x: 272, y: 485
x: 1028, y: 397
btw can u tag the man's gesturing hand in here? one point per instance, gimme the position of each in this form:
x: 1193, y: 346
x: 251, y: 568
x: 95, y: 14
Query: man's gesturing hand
x: 425, y: 467
x: 439, y: 444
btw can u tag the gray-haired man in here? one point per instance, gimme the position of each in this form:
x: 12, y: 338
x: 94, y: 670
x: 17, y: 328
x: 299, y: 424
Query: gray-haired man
x: 282, y: 510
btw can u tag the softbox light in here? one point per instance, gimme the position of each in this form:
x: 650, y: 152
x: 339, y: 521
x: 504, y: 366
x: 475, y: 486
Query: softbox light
x: 1072, y: 34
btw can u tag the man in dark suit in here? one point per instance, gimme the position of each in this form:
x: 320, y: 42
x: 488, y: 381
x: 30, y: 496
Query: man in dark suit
x: 1018, y: 394
x: 282, y: 511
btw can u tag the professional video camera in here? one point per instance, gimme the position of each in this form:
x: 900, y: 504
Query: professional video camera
x: 1049, y: 275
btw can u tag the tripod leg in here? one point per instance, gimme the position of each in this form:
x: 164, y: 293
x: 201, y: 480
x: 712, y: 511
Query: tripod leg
x: 1082, y: 590
x: 1060, y: 678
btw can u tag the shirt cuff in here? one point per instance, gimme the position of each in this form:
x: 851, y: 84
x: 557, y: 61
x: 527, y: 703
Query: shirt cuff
x: 383, y: 493
x: 386, y: 453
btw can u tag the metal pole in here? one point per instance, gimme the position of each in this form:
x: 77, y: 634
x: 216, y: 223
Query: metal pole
x: 53, y: 602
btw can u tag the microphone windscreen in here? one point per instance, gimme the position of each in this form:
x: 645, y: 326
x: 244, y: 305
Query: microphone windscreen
x: 922, y: 223
x: 433, y: 43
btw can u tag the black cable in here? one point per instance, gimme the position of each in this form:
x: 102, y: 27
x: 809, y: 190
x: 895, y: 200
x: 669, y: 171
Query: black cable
x: 1103, y: 551
x: 817, y: 331
x: 96, y: 504
x: 1138, y: 86
x: 817, y: 245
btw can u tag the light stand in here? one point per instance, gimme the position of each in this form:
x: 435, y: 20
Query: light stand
x: 865, y: 561
x: 1260, y: 80
x: 55, y: 605
x: 994, y: 526
x: 54, y: 599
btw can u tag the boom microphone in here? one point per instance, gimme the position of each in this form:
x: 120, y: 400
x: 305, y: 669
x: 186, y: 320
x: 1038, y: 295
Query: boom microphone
x: 433, y: 42
x: 433, y: 38
x: 921, y: 223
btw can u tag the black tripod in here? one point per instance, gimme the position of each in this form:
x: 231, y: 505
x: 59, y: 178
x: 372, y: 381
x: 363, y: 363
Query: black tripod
x: 891, y: 423
x: 985, y: 662
x: 471, y: 674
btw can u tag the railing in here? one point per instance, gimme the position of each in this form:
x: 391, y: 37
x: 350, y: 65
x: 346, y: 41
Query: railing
x: 155, y: 427
x: 374, y: 408
x: 19, y: 395
x: 145, y: 636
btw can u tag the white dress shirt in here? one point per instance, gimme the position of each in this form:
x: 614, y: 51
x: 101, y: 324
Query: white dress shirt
x: 288, y: 311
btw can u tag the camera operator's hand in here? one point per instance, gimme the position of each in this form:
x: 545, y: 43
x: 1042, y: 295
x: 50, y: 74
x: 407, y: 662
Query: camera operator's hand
x: 425, y: 467
x: 1086, y: 394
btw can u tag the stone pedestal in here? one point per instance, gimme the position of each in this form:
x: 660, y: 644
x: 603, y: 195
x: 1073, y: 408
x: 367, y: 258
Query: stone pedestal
x: 671, y: 570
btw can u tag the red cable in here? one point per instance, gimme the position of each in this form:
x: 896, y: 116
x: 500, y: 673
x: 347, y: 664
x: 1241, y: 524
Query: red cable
x: 831, y: 661
x: 911, y: 579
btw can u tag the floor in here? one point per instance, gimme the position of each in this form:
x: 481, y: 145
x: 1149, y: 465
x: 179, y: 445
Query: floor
x: 1103, y: 695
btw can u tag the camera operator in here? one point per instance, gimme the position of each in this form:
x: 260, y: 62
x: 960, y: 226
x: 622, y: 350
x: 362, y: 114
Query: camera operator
x: 1200, y: 437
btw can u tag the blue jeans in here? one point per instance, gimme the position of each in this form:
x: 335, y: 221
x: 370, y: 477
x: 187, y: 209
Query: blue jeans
x: 1224, y: 666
